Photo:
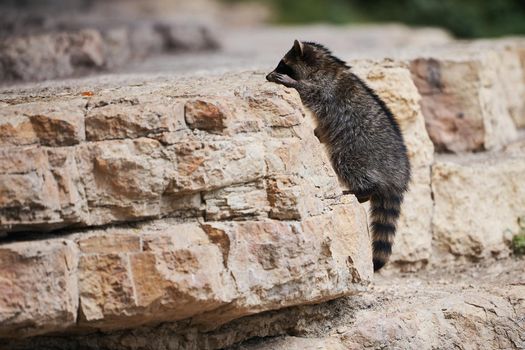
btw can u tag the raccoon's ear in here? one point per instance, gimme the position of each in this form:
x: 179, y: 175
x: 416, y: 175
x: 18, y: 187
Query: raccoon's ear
x: 298, y: 47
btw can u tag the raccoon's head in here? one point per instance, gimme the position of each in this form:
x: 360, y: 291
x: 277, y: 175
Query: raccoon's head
x: 308, y: 61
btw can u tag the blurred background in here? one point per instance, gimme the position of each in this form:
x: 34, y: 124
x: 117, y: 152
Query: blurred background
x: 50, y: 39
x: 463, y: 18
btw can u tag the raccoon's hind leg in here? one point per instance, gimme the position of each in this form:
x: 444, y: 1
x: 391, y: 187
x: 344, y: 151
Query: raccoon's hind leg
x: 319, y: 135
x: 362, y: 196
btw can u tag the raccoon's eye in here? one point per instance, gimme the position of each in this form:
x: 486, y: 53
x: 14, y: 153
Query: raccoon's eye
x: 283, y: 68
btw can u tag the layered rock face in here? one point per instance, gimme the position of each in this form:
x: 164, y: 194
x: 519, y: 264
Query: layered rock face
x: 87, y: 49
x: 220, y: 202
x: 204, y: 203
x: 469, y: 99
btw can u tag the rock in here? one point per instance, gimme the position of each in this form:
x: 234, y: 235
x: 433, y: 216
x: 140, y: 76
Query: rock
x: 130, y: 116
x: 477, y: 200
x: 76, y: 45
x: 286, y: 343
x: 481, y: 311
x: 225, y: 269
x: 186, y: 36
x: 50, y: 124
x: 512, y: 51
x: 140, y: 157
x: 176, y: 218
x: 446, y: 307
x: 393, y: 83
x: 236, y: 202
x: 48, y: 56
x: 204, y: 116
x: 213, y: 273
x: 15, y: 129
x: 40, y: 188
x: 465, y: 104
x: 38, y: 287
x: 510, y: 69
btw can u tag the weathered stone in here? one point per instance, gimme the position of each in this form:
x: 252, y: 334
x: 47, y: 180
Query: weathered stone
x: 51, y: 124
x: 257, y: 214
x: 511, y: 72
x: 287, y: 343
x: 111, y: 242
x: 446, y: 307
x: 39, y: 188
x: 124, y: 179
x: 48, y: 56
x: 223, y: 269
x: 237, y: 202
x: 273, y: 263
x: 134, y: 117
x: 463, y: 100
x: 393, y: 83
x: 147, y: 162
x: 181, y: 269
x: 204, y: 164
x: 205, y: 116
x: 38, y: 287
x: 477, y: 203
x: 15, y: 129
x: 105, y: 288
x: 284, y: 197
x: 186, y: 36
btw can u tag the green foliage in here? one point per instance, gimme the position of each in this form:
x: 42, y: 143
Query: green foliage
x: 464, y: 18
x: 518, y: 241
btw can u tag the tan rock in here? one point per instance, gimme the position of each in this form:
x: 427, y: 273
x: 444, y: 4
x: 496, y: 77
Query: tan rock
x: 273, y: 263
x: 511, y: 72
x: 245, y: 201
x: 287, y: 343
x: 39, y: 188
x: 109, y: 243
x: 45, y: 56
x: 105, y: 288
x: 256, y: 220
x: 38, y: 287
x: 60, y: 123
x: 464, y: 101
x: 225, y: 270
x: 130, y: 117
x: 478, y: 200
x: 15, y: 129
x: 205, y: 116
x: 393, y: 83
x: 123, y: 179
x: 181, y: 273
x: 204, y: 164
x: 445, y: 309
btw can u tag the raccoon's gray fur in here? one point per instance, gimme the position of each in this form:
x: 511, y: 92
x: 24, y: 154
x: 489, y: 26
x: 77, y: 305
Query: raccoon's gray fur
x: 365, y: 143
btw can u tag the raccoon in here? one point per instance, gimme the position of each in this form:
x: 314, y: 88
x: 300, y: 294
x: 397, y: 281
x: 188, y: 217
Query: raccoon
x: 364, y: 141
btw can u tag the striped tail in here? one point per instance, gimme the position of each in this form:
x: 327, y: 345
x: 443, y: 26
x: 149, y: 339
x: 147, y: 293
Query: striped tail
x: 384, y: 212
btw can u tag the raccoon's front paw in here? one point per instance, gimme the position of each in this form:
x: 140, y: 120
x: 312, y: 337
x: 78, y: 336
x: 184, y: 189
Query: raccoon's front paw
x: 285, y: 80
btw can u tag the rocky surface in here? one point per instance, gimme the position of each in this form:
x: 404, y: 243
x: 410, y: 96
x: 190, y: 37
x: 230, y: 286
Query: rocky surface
x: 480, y: 306
x: 95, y: 47
x: 477, y: 307
x: 479, y: 200
x: 197, y: 211
x: 225, y: 181
x: 469, y: 97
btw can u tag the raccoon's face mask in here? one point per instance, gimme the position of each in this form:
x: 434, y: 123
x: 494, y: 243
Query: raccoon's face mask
x: 290, y: 65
